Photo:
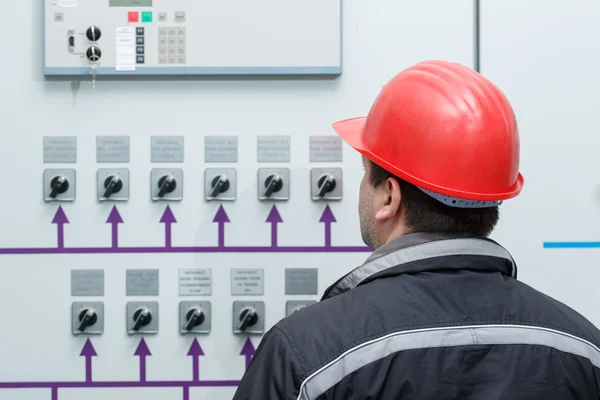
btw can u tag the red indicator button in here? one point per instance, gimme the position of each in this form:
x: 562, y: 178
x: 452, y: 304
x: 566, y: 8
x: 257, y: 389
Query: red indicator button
x: 133, y: 16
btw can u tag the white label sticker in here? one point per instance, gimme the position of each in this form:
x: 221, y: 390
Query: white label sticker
x: 247, y: 281
x: 195, y: 282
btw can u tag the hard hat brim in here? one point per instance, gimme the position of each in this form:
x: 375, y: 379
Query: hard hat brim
x: 351, y: 132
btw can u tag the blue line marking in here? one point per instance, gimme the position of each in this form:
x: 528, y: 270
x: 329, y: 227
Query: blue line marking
x: 572, y: 245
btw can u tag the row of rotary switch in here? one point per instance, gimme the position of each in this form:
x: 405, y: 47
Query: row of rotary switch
x: 220, y: 184
x: 194, y: 317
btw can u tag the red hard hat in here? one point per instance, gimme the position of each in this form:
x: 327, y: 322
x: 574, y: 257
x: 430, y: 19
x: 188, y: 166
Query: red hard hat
x: 444, y: 128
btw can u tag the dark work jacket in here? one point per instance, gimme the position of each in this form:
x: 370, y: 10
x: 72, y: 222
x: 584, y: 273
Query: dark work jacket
x: 429, y: 317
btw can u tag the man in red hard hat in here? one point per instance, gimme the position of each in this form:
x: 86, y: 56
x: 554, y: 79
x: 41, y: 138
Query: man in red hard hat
x: 436, y: 312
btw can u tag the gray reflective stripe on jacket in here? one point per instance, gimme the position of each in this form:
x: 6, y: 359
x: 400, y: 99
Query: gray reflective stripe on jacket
x: 366, y: 353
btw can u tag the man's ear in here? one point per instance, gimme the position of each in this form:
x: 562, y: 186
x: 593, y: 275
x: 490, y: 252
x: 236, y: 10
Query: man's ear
x: 389, y: 199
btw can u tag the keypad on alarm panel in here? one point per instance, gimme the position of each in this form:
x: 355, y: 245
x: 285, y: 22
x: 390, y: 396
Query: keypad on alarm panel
x: 171, y: 45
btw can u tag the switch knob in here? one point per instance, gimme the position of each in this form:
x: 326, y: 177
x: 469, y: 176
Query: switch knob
x: 194, y: 318
x: 166, y: 184
x: 141, y: 317
x: 59, y: 185
x: 87, y: 318
x: 112, y: 184
x: 248, y: 318
x: 273, y: 184
x: 93, y: 33
x: 326, y: 184
x: 219, y: 184
x: 93, y: 53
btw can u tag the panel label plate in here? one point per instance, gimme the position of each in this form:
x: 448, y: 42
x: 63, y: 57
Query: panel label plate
x: 60, y: 149
x: 195, y: 282
x: 142, y: 282
x: 247, y: 281
x: 112, y: 149
x: 220, y: 149
x: 325, y: 149
x: 167, y: 149
x: 301, y: 281
x: 273, y: 148
x: 86, y: 282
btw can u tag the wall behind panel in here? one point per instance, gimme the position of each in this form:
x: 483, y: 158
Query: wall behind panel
x: 541, y: 53
x: 381, y: 37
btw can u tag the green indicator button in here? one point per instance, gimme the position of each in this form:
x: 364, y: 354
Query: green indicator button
x: 146, y: 16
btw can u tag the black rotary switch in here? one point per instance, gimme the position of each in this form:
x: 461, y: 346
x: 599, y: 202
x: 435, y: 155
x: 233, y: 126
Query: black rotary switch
x: 194, y: 318
x: 166, y: 184
x: 58, y: 185
x: 219, y: 184
x: 326, y: 184
x: 93, y: 33
x: 141, y: 317
x: 112, y: 184
x: 273, y: 184
x: 248, y: 318
x: 93, y: 53
x: 87, y: 318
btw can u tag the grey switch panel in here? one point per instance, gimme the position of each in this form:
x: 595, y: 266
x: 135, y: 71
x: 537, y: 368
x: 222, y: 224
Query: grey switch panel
x: 249, y: 317
x: 142, y: 317
x: 166, y: 184
x: 326, y: 183
x: 113, y: 184
x: 220, y: 184
x: 291, y: 306
x: 59, y: 185
x: 194, y: 317
x: 273, y: 184
x: 87, y: 318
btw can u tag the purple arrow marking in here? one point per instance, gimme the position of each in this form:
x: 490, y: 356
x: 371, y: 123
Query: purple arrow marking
x: 248, y: 351
x: 168, y: 218
x: 88, y: 352
x: 60, y: 219
x: 221, y: 218
x: 274, y: 218
x: 114, y: 218
x: 327, y: 218
x: 195, y: 352
x: 142, y: 352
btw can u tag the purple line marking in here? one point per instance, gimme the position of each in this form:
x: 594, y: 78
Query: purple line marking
x: 168, y: 218
x: 114, y: 218
x: 221, y: 218
x: 183, y: 249
x: 327, y: 218
x: 88, y: 352
x: 112, y: 384
x: 60, y: 219
x: 195, y: 352
x: 274, y: 218
x: 54, y: 393
x: 248, y: 351
x: 142, y: 352
x: 186, y: 393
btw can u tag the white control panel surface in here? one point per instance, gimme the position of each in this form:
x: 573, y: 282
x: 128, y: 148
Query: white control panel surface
x: 186, y: 37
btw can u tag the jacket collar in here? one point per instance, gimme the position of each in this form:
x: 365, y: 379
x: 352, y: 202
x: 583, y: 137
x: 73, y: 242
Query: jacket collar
x: 408, y: 254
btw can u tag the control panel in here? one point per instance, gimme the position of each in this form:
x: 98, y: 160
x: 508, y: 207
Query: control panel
x: 158, y: 37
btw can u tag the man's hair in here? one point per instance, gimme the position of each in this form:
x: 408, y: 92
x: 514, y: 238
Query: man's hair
x: 423, y: 213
